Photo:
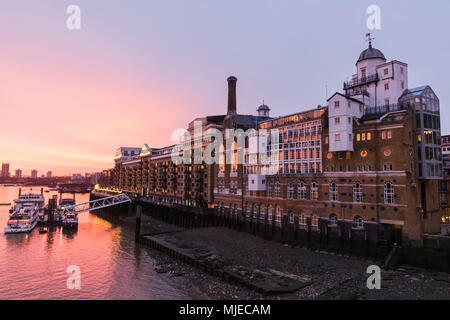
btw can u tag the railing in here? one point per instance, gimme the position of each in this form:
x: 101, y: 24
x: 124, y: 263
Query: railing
x: 357, y: 93
x: 97, y: 204
x: 361, y: 81
x: 384, y: 109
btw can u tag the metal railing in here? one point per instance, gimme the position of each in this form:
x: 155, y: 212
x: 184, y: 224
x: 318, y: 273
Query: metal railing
x: 97, y: 204
x: 361, y: 81
x: 384, y: 109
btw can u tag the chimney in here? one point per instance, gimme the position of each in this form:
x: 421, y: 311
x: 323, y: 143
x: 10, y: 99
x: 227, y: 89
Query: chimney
x: 231, y: 95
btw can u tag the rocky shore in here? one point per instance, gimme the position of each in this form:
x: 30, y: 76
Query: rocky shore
x: 314, y: 275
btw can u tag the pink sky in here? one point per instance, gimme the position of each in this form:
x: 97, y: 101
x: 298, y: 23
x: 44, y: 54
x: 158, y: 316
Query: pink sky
x: 136, y: 72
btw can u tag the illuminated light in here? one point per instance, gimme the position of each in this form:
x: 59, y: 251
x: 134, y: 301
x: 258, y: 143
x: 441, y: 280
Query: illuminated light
x: 364, y: 153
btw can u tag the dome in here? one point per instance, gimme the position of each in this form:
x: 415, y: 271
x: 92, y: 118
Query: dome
x: 263, y: 107
x: 371, y: 53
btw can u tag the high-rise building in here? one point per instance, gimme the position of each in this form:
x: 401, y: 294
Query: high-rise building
x: 34, y: 174
x: 18, y: 174
x: 5, y: 170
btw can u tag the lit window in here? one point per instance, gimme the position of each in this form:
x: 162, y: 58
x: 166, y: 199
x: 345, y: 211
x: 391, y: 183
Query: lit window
x: 369, y: 136
x: 389, y: 134
x: 363, y: 137
x: 383, y: 135
x: 337, y: 120
x: 314, y: 191
x: 358, y: 137
x: 337, y: 137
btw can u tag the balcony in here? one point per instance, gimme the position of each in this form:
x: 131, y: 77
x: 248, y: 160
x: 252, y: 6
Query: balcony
x: 384, y: 109
x: 361, y: 81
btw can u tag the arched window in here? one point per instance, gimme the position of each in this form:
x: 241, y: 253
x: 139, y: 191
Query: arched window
x: 234, y: 157
x: 357, y: 192
x: 301, y: 190
x: 314, y: 191
x: 278, y: 217
x: 333, y: 191
x: 290, y: 190
x: 358, y: 223
x: 291, y: 218
x: 389, y: 192
x: 315, y: 221
x: 221, y: 160
x: 333, y: 220
x: 269, y: 188
x: 255, y: 212
x: 302, y: 220
x: 262, y: 213
x: 277, y: 189
x: 269, y: 215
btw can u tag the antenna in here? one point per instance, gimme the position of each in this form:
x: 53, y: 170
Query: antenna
x: 369, y: 38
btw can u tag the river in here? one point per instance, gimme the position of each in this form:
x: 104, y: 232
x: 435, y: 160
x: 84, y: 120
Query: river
x: 34, y: 265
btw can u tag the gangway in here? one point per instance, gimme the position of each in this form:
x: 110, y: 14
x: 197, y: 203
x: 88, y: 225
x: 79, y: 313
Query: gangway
x: 96, y: 204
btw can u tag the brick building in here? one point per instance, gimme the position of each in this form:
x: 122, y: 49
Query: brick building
x: 366, y: 166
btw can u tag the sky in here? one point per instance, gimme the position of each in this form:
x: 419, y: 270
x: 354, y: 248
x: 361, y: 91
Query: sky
x: 137, y: 70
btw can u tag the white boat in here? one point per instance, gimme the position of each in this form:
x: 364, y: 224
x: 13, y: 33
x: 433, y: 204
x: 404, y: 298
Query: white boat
x: 69, y: 219
x: 24, y: 215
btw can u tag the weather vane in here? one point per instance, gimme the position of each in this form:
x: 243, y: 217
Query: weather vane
x: 369, y: 38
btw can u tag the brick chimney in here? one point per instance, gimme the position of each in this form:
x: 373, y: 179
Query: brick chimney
x: 231, y: 95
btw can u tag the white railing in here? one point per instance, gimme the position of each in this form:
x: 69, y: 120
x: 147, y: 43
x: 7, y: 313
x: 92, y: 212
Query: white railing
x: 97, y: 204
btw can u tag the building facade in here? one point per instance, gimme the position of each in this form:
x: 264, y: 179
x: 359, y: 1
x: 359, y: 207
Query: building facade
x: 368, y: 165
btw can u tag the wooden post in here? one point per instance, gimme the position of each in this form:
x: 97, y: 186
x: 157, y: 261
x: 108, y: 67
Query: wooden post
x: 137, y: 233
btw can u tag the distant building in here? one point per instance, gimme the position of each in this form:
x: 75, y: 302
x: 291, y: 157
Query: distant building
x: 34, y: 174
x: 18, y: 174
x: 444, y: 186
x: 49, y: 174
x: 5, y: 170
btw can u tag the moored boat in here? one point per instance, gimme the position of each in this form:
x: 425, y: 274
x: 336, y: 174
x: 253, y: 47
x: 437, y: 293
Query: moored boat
x: 24, y: 215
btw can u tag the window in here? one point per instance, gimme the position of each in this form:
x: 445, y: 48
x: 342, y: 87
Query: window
x: 302, y: 220
x: 358, y: 137
x: 314, y: 191
x: 401, y: 70
x: 369, y: 136
x: 349, y: 120
x: 269, y: 189
x: 269, y: 215
x: 403, y: 84
x: 278, y: 216
x: 357, y: 192
x: 315, y: 221
x: 337, y: 120
x: 363, y: 72
x: 386, y: 102
x: 337, y: 137
x: 291, y: 218
x: 363, y: 137
x: 386, y: 71
x: 350, y: 137
x: 389, y: 134
x: 262, y: 214
x: 333, y: 191
x: 290, y: 190
x: 333, y: 220
x: 387, y: 167
x: 358, y: 223
x: 386, y: 86
x: 389, y: 192
x: 336, y: 104
x: 349, y: 104
x: 248, y: 211
x: 301, y: 190
x: 277, y: 189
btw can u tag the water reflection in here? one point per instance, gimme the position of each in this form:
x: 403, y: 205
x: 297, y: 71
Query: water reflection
x: 33, y: 265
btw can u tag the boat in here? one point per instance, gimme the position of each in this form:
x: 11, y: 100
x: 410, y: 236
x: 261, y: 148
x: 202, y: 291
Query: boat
x: 69, y: 219
x: 24, y: 215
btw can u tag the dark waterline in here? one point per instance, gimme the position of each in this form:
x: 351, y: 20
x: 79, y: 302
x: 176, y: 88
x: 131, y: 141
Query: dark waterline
x: 33, y: 266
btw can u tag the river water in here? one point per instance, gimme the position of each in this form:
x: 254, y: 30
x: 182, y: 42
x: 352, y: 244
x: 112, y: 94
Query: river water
x: 34, y: 265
